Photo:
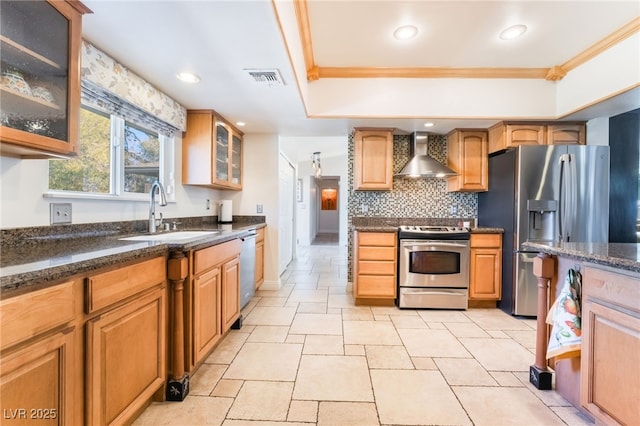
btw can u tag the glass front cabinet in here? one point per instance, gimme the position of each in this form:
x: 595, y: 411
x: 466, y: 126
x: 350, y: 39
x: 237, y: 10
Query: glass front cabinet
x: 40, y: 73
x: 211, y: 151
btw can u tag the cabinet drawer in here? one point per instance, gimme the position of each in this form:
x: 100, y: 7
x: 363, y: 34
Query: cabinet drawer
x: 376, y: 253
x: 215, y: 255
x: 486, y: 240
x: 110, y: 287
x: 377, y: 239
x: 28, y: 315
x: 376, y: 286
x: 368, y: 267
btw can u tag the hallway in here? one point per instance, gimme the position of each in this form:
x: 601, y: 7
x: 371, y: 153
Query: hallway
x: 307, y: 355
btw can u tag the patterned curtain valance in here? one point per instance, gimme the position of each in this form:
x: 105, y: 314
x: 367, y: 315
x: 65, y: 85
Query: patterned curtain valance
x: 114, y: 78
x: 94, y: 95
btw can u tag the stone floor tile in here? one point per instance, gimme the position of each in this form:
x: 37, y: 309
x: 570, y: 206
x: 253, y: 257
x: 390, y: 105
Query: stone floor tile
x: 433, y: 315
x: 388, y: 357
x: 432, y: 343
x: 526, y: 338
x: 401, y: 321
x: 504, y: 406
x: 392, y: 310
x: 423, y: 363
x: 360, y: 313
x: 333, y: 378
x: 265, y: 361
x: 382, y: 317
x: 435, y: 325
x: 347, y: 414
x: 295, y: 338
x: 272, y: 301
x: 206, y: 378
x: 506, y: 378
x: 195, y: 410
x: 464, y: 372
x: 227, y: 349
x: 323, y: 345
x: 465, y: 329
x: 269, y: 333
x: 330, y: 324
x: 311, y: 307
x: 370, y: 333
x: 228, y: 388
x: 303, y: 411
x: 340, y: 300
x: 357, y: 350
x: 495, y: 319
x: 262, y: 401
x: 499, y: 354
x: 572, y: 416
x: 316, y: 296
x: 416, y: 397
x: 497, y: 334
x: 266, y: 315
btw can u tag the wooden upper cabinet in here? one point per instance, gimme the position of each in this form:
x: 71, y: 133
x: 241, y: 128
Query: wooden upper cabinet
x: 211, y: 151
x: 510, y: 134
x: 373, y: 159
x: 566, y: 133
x: 40, y: 110
x: 467, y: 154
x: 507, y: 135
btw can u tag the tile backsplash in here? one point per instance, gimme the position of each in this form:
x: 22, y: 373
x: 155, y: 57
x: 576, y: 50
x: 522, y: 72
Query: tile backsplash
x: 411, y: 198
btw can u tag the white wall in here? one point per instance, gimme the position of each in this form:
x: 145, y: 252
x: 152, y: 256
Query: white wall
x: 260, y: 186
x: 23, y: 183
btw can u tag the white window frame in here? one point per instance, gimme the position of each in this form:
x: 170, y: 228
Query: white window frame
x: 166, y: 167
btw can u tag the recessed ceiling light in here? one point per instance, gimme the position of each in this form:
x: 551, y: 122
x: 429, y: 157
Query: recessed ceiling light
x: 513, y: 31
x: 188, y: 77
x: 429, y: 124
x: 240, y: 123
x: 405, y: 32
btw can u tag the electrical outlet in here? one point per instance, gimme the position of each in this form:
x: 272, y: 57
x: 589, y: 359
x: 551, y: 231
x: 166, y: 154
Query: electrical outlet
x: 364, y: 208
x: 208, y: 204
x: 60, y: 213
x: 259, y: 208
x: 454, y: 209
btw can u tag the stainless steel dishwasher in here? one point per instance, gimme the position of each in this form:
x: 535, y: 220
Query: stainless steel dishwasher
x: 247, y: 268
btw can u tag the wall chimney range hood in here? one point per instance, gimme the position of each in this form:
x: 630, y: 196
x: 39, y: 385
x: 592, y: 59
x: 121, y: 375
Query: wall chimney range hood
x: 421, y: 164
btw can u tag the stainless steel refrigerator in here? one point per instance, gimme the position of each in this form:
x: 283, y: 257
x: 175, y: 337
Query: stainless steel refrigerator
x: 543, y: 194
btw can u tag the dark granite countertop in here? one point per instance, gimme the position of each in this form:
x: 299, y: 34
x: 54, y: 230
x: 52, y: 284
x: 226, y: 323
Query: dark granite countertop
x: 624, y: 256
x: 48, y: 258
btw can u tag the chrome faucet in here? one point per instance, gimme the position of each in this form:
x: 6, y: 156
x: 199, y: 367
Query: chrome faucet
x: 152, y: 205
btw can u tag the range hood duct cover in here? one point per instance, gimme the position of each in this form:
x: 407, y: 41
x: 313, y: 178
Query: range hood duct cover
x: 421, y: 163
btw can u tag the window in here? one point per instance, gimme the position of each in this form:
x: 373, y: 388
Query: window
x: 116, y: 158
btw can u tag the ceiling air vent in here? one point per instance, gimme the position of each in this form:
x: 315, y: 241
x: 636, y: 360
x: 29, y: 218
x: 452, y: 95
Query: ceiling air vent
x: 266, y: 77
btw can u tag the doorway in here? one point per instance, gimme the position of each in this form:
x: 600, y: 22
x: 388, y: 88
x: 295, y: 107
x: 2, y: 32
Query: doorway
x: 327, y: 210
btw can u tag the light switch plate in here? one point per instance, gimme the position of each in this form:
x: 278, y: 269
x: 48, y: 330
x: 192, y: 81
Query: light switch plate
x: 60, y: 213
x: 259, y: 208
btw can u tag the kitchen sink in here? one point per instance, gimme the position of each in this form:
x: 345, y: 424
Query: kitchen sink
x: 178, y: 236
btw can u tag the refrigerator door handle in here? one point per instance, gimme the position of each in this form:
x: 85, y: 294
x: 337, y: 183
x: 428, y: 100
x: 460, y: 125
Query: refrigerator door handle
x: 562, y: 205
x: 573, y: 188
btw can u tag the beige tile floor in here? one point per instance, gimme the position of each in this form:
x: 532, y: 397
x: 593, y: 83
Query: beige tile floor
x: 307, y: 355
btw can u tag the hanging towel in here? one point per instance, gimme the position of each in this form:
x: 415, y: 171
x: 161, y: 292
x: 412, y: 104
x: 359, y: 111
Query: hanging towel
x: 565, y: 317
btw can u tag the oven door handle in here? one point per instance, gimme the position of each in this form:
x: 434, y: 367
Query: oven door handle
x: 420, y: 246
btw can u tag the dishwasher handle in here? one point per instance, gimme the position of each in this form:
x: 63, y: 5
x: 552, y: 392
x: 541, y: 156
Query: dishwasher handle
x: 252, y: 235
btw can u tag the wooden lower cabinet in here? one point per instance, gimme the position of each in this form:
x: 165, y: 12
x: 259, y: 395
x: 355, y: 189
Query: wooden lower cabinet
x: 485, y: 270
x: 207, y: 302
x: 125, y: 358
x: 609, y: 370
x: 214, y: 304
x: 230, y: 293
x: 37, y: 381
x: 374, y: 270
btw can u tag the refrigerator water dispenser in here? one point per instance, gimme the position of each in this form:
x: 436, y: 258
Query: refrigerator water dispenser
x: 542, y: 220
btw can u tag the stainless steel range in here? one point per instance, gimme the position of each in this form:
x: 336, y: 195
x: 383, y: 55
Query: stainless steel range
x: 434, y: 267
